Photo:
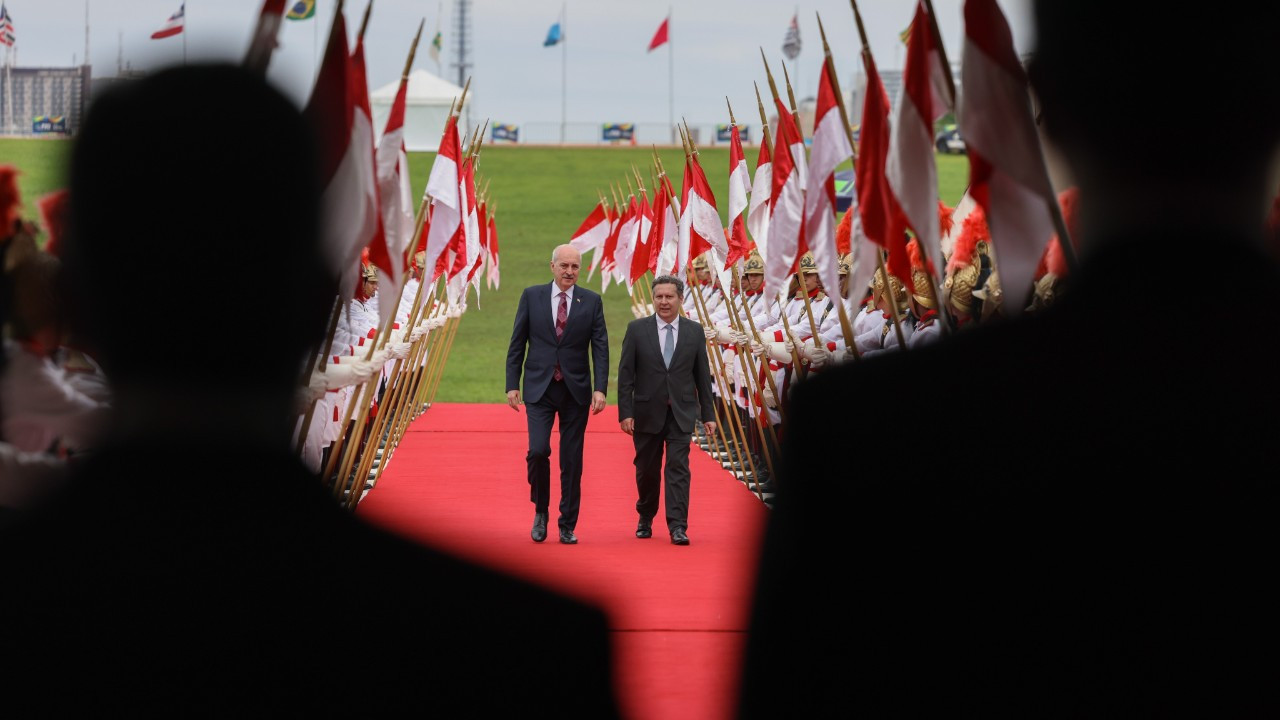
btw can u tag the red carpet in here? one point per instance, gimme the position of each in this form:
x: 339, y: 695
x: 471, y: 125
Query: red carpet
x: 678, y: 614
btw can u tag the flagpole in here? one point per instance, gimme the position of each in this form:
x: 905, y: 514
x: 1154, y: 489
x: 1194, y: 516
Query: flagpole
x: 564, y: 65
x: 671, y: 80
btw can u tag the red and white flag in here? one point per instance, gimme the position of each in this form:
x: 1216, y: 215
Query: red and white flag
x: 641, y: 252
x: 350, y: 212
x: 174, y: 25
x: 263, y: 42
x: 911, y: 168
x: 786, y: 206
x: 1007, y: 173
x: 363, y: 134
x: 609, y: 249
x: 830, y: 148
x: 391, y: 255
x: 882, y: 219
x: 494, y: 275
x: 466, y: 241
x: 594, y: 230
x: 739, y: 185
x: 667, y: 227
x: 626, y: 242
x: 444, y: 186
x: 758, y: 211
x: 662, y: 234
x: 705, y: 230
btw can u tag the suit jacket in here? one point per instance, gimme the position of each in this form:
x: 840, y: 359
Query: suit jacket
x: 1079, y: 527
x: 535, y: 331
x: 646, y: 386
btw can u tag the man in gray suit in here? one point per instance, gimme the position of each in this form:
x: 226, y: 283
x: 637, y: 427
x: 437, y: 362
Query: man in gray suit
x: 664, y: 385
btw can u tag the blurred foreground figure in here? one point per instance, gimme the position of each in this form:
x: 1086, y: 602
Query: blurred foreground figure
x: 194, y: 566
x: 1088, y: 526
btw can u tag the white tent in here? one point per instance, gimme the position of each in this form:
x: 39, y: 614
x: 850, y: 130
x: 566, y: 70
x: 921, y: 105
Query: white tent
x: 426, y: 109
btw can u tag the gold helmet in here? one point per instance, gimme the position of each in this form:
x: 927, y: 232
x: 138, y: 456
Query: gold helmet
x: 964, y: 267
x: 921, y: 280
x: 700, y: 262
x: 755, y: 264
x: 846, y: 263
x: 368, y: 272
x: 990, y: 294
x: 895, y: 285
x: 1046, y: 291
x: 807, y: 264
x: 420, y: 259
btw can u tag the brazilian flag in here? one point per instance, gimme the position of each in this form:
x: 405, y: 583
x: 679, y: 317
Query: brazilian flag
x: 301, y: 10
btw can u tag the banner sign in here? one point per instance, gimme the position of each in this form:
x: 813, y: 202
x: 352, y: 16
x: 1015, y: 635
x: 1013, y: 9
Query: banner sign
x: 722, y: 133
x: 618, y: 131
x: 505, y: 132
x: 49, y: 124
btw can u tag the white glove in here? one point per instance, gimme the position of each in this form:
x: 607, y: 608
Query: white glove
x: 757, y: 348
x: 340, y: 376
x: 818, y: 356
x: 780, y: 352
x: 399, y: 351
x: 767, y: 393
x: 416, y: 334
x: 637, y: 311
x: 741, y: 338
x: 380, y: 357
x: 436, y: 323
x: 711, y: 331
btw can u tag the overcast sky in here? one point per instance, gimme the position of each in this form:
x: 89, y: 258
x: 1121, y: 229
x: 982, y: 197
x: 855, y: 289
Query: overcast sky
x: 610, y: 76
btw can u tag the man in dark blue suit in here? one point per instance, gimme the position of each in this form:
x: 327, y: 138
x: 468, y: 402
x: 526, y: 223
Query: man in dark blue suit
x: 555, y: 326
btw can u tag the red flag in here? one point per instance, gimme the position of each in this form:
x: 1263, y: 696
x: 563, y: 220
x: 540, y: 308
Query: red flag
x: 1007, y: 173
x: 660, y: 37
x: 882, y: 220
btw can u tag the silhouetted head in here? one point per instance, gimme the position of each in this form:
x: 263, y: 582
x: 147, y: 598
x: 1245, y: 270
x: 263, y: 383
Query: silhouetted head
x: 1156, y: 91
x: 194, y: 232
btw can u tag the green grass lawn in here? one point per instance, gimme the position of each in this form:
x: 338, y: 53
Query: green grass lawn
x: 541, y: 194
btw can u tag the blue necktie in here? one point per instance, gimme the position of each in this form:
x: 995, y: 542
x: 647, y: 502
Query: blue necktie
x: 668, y: 347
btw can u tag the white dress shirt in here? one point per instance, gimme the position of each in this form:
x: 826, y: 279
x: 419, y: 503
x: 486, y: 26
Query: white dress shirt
x: 662, y: 332
x: 555, y: 301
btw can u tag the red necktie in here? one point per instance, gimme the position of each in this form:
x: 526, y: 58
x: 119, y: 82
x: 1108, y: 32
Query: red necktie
x: 561, y: 316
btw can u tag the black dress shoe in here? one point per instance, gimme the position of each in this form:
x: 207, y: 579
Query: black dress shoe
x: 567, y: 537
x: 644, y: 530
x: 539, y: 532
x: 678, y: 537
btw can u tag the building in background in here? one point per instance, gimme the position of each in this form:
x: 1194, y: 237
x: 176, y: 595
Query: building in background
x: 43, y: 101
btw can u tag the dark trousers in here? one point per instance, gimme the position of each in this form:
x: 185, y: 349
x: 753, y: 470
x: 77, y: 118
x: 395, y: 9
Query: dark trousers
x: 649, y: 471
x: 573, y: 426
